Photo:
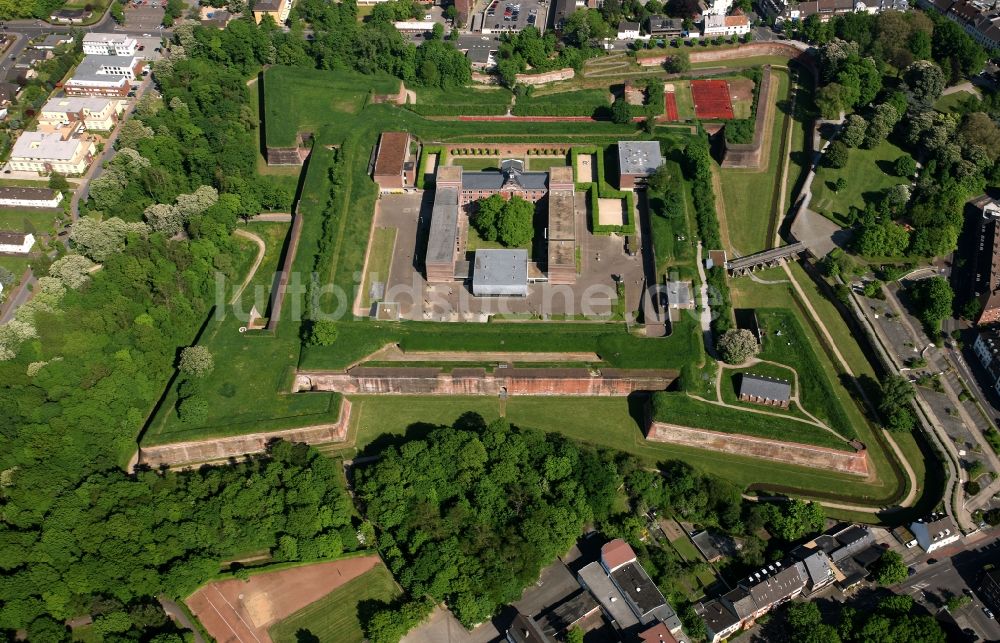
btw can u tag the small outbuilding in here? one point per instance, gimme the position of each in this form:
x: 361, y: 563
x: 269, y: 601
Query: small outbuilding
x: 767, y: 391
x: 393, y: 168
x: 636, y: 161
x: 500, y: 273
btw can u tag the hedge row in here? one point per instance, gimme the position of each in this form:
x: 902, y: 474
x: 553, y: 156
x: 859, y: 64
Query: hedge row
x: 581, y: 109
x: 425, y: 109
x: 422, y: 167
x: 698, y: 168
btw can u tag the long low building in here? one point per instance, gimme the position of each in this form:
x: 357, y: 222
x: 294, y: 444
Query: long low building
x: 16, y: 242
x: 17, y: 197
x: 46, y: 153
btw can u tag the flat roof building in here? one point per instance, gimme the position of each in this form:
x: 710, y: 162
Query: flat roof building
x: 99, y: 75
x: 16, y: 242
x: 500, y: 273
x: 41, y: 152
x: 596, y: 580
x: 664, y: 27
x: 636, y: 161
x: 109, y: 44
x: 442, y: 240
x: 95, y: 112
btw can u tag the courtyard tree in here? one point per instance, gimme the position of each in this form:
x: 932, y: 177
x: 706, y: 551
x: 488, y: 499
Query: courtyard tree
x: 737, y: 345
x: 196, y: 361
x: 889, y: 569
x: 516, y: 226
x: 486, y: 218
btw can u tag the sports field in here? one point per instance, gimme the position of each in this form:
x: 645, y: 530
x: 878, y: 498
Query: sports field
x: 711, y: 99
x: 334, y: 618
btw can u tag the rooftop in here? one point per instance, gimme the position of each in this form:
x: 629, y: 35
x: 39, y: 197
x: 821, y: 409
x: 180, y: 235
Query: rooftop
x: 616, y: 553
x: 40, y: 145
x: 12, y: 238
x: 76, y: 104
x: 511, y: 174
x: 636, y: 584
x: 625, y: 25
x: 600, y: 585
x: 267, y: 5
x: 106, y: 37
x: 500, y: 269
x: 657, y: 633
x: 392, y: 151
x: 444, y: 226
x: 524, y: 629
x: 562, y: 216
x: 768, y: 586
x: 717, y: 616
x: 663, y: 23
x: 92, y: 67
x: 768, y: 388
x: 639, y: 157
x: 557, y: 619
x: 42, y: 194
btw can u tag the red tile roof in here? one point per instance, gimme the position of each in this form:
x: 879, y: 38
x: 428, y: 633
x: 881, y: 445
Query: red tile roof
x: 657, y: 634
x: 616, y: 553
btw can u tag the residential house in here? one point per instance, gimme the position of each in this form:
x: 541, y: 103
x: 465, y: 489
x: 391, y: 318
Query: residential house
x: 720, y: 621
x: 71, y: 16
x: 394, y: 170
x: 935, y: 532
x: 16, y: 242
x: 636, y: 161
x: 657, y: 633
x: 481, y: 57
x: 986, y: 280
x: 755, y: 596
x: 705, y: 543
x: 94, y: 112
x: 716, y: 25
x: 664, y: 27
x: 782, y: 10
x: 54, y: 40
x: 628, y: 30
x: 277, y: 9
x: 819, y: 568
x: 100, y: 75
x: 18, y: 197
x: 594, y: 578
x: 109, y: 44
x: 31, y: 58
x: 640, y: 592
x: 767, y: 391
x: 715, y: 7
x: 54, y: 152
x: 773, y: 585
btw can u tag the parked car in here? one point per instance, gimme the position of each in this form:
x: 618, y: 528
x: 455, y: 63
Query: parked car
x: 987, y: 612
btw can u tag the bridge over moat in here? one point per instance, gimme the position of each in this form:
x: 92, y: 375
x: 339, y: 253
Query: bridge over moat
x: 766, y: 259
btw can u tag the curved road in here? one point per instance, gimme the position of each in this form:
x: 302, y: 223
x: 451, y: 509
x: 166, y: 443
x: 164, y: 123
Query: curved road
x: 256, y: 264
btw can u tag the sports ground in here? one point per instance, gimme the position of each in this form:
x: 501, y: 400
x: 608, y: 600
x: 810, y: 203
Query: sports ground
x: 711, y: 99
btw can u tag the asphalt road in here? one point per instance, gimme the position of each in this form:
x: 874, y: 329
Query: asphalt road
x: 934, y: 584
x: 15, y: 50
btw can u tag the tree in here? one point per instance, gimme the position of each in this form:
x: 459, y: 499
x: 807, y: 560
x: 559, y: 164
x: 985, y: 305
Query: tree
x: 881, y: 124
x: 164, y: 218
x: 925, y: 81
x: 904, y: 166
x: 979, y: 129
x: 894, y: 405
x: 794, y: 519
x: 574, y: 635
x: 196, y: 361
x: 620, y: 112
x: 836, y: 155
x: 72, y: 269
x: 889, y: 569
x: 486, y: 219
x: 854, y: 130
x: 737, y: 346
x: 659, y: 181
x: 58, y: 182
x: 132, y: 131
x: 322, y: 333
x: 677, y: 62
x: 840, y: 184
x: 933, y: 298
x: 516, y: 225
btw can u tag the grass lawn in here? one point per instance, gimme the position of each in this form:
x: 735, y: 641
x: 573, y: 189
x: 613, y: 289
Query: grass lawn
x: 462, y: 100
x: 731, y: 379
x: 16, y: 266
x: 379, y: 261
x: 686, y: 549
x: 476, y: 163
x: 299, y: 99
x: 543, y: 163
x: 334, y: 617
x: 613, y: 423
x: 29, y: 220
x: 583, y: 102
x: 951, y: 102
x: 679, y: 408
x: 682, y: 96
x: 867, y: 173
x: 673, y: 240
x: 750, y: 196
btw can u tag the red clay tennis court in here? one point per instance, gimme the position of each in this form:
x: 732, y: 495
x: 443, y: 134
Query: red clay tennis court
x: 670, y: 100
x: 711, y: 99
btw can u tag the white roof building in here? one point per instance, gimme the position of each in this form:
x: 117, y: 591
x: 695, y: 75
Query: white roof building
x: 935, y: 532
x: 109, y: 44
x: 42, y: 152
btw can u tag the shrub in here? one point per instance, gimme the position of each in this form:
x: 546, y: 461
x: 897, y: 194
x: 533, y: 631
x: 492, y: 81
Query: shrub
x: 737, y: 346
x: 196, y: 361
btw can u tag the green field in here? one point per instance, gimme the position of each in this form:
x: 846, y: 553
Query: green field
x: 751, y: 196
x: 379, y: 261
x: 462, y: 100
x: 29, y: 220
x: 584, y: 102
x: 867, y: 173
x: 334, y: 618
x: 476, y: 163
x: 311, y: 95
x: 543, y: 163
x: 673, y: 239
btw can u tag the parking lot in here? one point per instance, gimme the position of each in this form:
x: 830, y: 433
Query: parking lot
x: 147, y: 17
x: 514, y: 15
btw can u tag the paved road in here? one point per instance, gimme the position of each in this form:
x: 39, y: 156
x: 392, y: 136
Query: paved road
x: 13, y: 52
x: 174, y: 611
x: 15, y: 300
x: 957, y: 571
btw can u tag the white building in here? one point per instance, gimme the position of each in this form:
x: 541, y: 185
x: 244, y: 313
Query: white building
x: 17, y: 242
x: 101, y: 75
x: 935, y: 532
x: 15, y: 197
x: 109, y: 44
x: 95, y: 112
x: 628, y: 30
x: 714, y: 25
x: 715, y: 7
x: 41, y: 152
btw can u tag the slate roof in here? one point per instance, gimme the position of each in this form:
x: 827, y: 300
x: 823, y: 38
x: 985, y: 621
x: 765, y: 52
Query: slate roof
x: 27, y: 194
x: 665, y: 24
x: 600, y: 585
x: 639, y: 587
x: 12, y: 238
x: 775, y: 588
x: 743, y: 604
x: 717, y: 616
x: 767, y: 388
x: 511, y: 172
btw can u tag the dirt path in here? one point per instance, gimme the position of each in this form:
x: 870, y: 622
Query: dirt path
x: 392, y: 353
x: 261, y: 248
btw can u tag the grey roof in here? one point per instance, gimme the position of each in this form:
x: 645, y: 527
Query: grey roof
x: 12, y: 238
x: 772, y: 588
x: 679, y: 293
x: 717, y: 616
x: 8, y: 91
x: 267, y: 5
x: 818, y: 567
x: 741, y: 602
x: 625, y: 25
x: 444, y: 226
x: 49, y: 146
x: 641, y: 590
x: 511, y: 174
x: 559, y: 618
x: 768, y: 388
x: 524, y: 629
x: 479, y: 54
x: 706, y: 545
x: 663, y: 23
x: 92, y: 65
x: 500, y: 272
x: 54, y: 40
x: 599, y: 583
x: 27, y: 194
x: 639, y: 157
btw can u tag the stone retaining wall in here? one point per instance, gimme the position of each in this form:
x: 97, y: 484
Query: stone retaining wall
x: 802, y: 455
x: 476, y: 381
x: 547, y: 77
x: 236, y: 446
